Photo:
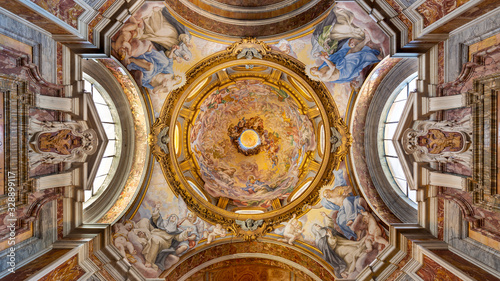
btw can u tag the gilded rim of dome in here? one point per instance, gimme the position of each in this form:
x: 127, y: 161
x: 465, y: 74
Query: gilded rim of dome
x: 172, y: 109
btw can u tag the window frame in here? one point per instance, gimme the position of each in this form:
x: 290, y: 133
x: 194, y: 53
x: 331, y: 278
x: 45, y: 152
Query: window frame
x: 396, y: 179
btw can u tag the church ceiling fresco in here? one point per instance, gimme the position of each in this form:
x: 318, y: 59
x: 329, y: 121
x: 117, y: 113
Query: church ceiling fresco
x: 262, y: 147
x: 243, y: 135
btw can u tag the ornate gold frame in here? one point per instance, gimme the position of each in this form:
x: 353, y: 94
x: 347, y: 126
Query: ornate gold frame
x: 217, y: 63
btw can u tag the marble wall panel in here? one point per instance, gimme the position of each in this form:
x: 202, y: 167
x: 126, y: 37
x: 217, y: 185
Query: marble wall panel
x: 60, y: 218
x: 69, y: 270
x: 464, y: 265
x: 28, y: 251
x: 43, y: 47
x: 431, y: 270
x: 30, y: 269
x: 102, y: 9
x: 459, y: 43
x: 33, y: 17
x: 66, y: 10
x: 469, y: 15
x: 441, y: 59
x: 24, y: 212
x: 433, y: 10
x: 490, y: 225
x: 440, y: 218
x: 17, y: 45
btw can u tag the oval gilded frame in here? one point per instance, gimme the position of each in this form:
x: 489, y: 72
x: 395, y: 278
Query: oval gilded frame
x: 217, y: 63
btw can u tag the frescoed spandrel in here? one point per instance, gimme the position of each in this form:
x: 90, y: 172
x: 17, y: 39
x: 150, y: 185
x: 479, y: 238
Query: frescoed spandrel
x: 344, y: 48
x: 148, y: 45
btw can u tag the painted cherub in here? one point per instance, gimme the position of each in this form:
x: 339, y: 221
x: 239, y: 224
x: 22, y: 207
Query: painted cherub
x: 120, y: 238
x: 374, y: 232
x: 218, y: 230
x: 293, y: 230
x: 127, y: 45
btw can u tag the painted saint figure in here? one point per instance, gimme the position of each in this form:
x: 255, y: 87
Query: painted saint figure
x: 164, y: 31
x: 321, y: 235
x: 344, y: 48
x: 334, y: 32
x: 167, y: 239
x: 156, y: 72
x: 348, y: 206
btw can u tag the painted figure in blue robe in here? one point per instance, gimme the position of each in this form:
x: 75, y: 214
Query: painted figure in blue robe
x: 347, y: 62
x: 348, y: 207
x: 156, y: 72
x: 253, y: 185
x: 334, y: 32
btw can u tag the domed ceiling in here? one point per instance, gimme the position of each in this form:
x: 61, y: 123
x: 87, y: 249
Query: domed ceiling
x: 249, y: 137
x: 249, y: 140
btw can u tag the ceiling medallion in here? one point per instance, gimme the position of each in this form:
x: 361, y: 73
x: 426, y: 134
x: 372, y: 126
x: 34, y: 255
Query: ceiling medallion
x: 250, y: 133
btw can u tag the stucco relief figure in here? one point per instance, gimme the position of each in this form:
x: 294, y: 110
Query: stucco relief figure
x: 56, y: 142
x: 445, y: 141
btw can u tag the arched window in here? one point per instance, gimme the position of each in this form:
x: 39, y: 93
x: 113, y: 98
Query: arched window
x: 107, y: 117
x: 397, y: 102
x: 384, y: 113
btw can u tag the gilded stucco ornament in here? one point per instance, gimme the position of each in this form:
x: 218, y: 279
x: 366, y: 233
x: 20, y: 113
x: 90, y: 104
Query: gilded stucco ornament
x: 216, y: 83
x: 164, y: 140
x: 335, y: 139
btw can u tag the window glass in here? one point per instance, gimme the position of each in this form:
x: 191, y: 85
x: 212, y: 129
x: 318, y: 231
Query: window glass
x: 104, y: 110
x: 390, y: 126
